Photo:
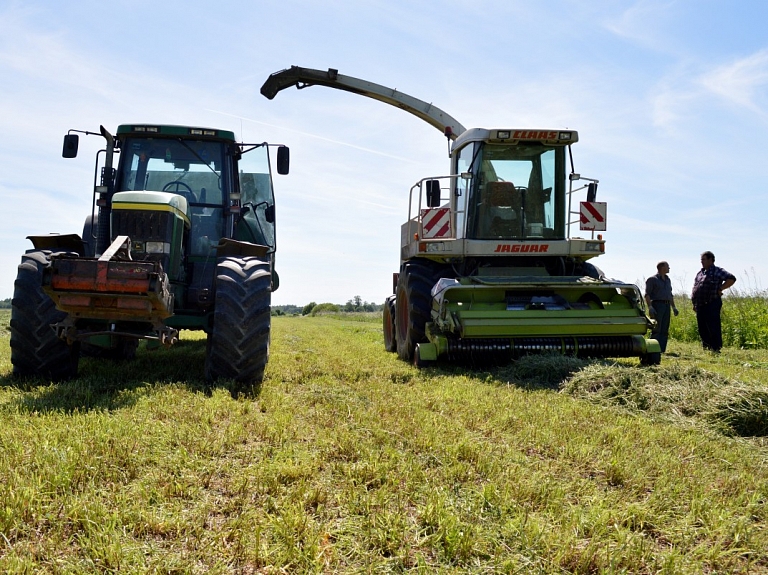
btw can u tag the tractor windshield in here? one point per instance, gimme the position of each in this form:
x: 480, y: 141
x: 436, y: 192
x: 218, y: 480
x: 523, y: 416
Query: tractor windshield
x: 189, y: 168
x: 517, y: 192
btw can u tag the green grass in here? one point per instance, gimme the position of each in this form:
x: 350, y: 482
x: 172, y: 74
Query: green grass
x: 351, y: 461
x: 744, y: 320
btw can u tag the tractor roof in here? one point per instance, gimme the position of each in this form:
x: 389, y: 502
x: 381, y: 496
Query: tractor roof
x: 165, y: 130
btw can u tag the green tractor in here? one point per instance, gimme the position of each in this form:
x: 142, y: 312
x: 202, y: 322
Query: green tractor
x: 489, y: 267
x: 181, y: 236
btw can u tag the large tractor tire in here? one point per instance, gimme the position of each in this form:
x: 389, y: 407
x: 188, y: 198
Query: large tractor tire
x: 390, y: 340
x: 238, y: 342
x: 413, y: 306
x: 36, y: 351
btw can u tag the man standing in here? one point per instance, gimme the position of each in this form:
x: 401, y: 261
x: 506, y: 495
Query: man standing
x: 708, y: 289
x: 658, y: 296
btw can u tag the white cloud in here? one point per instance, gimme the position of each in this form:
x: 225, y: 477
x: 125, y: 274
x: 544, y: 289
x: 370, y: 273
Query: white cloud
x: 643, y: 23
x: 743, y: 82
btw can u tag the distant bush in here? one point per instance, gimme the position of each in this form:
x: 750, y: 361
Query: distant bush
x: 286, y: 309
x: 357, y: 304
x: 324, y: 308
x: 307, y: 309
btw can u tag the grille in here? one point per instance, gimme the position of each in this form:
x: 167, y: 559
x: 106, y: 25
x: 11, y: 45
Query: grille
x: 143, y: 225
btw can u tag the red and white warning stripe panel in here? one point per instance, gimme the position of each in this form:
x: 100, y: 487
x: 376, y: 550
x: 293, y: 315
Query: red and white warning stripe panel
x: 592, y: 216
x: 435, y: 223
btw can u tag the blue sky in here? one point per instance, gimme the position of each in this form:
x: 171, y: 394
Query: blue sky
x: 670, y: 99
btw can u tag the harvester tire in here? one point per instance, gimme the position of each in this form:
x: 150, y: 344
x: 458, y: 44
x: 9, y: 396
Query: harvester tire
x: 390, y: 340
x: 418, y: 361
x: 413, y: 307
x: 36, y: 350
x: 238, y: 341
x: 653, y: 358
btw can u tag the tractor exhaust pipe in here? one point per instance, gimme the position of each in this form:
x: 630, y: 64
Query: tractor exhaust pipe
x: 106, y: 190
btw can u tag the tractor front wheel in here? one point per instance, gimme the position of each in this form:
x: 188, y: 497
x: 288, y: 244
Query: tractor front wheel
x: 36, y: 350
x: 238, y: 342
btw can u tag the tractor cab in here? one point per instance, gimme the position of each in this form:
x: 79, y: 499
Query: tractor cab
x: 514, y: 184
x: 226, y: 186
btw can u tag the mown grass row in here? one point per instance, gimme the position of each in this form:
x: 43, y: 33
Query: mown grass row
x: 351, y: 461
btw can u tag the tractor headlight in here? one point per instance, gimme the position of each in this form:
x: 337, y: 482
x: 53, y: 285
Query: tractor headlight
x: 592, y: 247
x: 158, y: 247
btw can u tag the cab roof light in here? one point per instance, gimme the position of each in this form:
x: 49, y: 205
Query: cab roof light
x: 564, y: 136
x: 503, y: 134
x: 201, y: 132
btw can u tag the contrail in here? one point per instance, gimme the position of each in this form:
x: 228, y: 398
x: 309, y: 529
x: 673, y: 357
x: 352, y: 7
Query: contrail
x: 369, y: 150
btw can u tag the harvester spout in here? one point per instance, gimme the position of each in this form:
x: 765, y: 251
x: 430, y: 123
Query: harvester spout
x: 304, y: 77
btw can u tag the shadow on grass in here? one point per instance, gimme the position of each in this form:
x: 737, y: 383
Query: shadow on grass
x: 104, y: 384
x: 546, y: 371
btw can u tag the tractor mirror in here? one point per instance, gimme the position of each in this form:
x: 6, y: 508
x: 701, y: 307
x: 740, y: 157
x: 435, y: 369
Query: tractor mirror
x: 70, y: 146
x: 283, y: 159
x: 591, y: 192
x: 433, y: 193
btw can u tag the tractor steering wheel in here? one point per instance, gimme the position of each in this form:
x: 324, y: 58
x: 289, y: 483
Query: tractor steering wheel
x: 181, y: 188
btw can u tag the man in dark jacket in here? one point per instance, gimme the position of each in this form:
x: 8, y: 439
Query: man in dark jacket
x: 707, y: 301
x: 658, y: 296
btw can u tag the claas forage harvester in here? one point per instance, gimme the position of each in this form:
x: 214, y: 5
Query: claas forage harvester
x: 489, y: 268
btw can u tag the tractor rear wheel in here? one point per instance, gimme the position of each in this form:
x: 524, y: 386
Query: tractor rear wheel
x: 413, y: 306
x: 390, y: 341
x: 238, y: 342
x: 36, y: 350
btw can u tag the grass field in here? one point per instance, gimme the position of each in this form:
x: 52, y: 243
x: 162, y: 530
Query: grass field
x: 351, y: 461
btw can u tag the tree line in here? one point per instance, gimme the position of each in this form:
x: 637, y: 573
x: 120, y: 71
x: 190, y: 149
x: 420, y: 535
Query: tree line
x: 355, y: 304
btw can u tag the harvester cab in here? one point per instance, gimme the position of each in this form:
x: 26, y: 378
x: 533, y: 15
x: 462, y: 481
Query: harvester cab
x: 181, y: 236
x: 489, y: 266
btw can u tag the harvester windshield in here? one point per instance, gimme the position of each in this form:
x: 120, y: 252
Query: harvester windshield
x: 517, y: 191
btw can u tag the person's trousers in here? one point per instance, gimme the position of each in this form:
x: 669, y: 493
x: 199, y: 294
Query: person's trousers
x: 710, y: 330
x: 661, y: 331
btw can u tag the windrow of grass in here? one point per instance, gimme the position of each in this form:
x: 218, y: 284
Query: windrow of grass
x: 351, y: 461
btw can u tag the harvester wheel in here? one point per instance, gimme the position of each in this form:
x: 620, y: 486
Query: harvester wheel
x: 418, y: 361
x: 238, y: 342
x: 390, y: 341
x: 36, y: 350
x: 413, y: 307
x: 653, y: 358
